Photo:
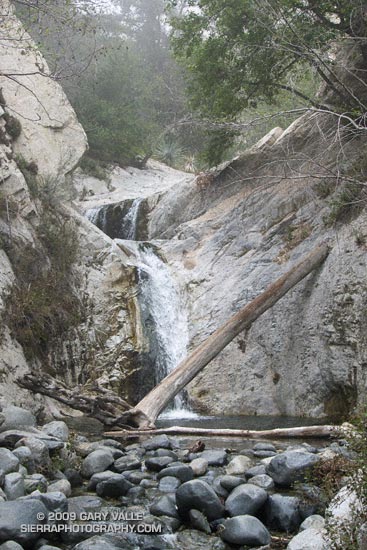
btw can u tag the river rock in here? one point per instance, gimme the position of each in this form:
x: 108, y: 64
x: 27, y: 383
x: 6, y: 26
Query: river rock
x: 291, y: 466
x: 57, y: 429
x: 74, y: 477
x: 199, y: 521
x: 198, y: 495
x: 104, y: 542
x: 39, y: 450
x: 199, y: 466
x: 157, y: 442
x: 11, y: 545
x: 218, y: 488
x: 8, y: 461
x: 20, y: 512
x: 156, y: 464
x: 245, y: 500
x: 54, y: 502
x: 191, y: 539
x: 230, y: 482
x: 115, y: 486
x: 137, y: 477
x: 257, y: 470
x: 264, y: 454
x: 62, y: 486
x: 165, y: 506
x: 313, y: 522
x: 96, y: 461
x: 169, y: 484
x: 238, y: 465
x: 24, y: 456
x: 264, y: 446
x: 125, y: 463
x: 16, y: 418
x: 282, y: 513
x: 98, y: 478
x: 84, y: 503
x: 344, y: 505
x: 14, y: 486
x: 264, y: 481
x: 217, y: 457
x: 181, y: 471
x: 307, y: 540
x: 35, y: 482
x: 245, y: 530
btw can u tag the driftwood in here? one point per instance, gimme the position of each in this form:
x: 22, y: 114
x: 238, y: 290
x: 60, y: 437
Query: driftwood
x: 145, y: 413
x: 94, y: 400
x: 302, y: 432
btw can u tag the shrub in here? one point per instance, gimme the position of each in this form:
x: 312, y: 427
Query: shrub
x: 13, y: 126
x: 93, y: 167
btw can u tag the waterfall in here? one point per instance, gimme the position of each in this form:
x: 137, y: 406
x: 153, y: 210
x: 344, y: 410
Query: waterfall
x: 98, y: 216
x: 130, y: 221
x: 162, y: 306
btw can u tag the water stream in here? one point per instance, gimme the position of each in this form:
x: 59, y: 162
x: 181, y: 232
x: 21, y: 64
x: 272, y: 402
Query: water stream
x: 163, y: 310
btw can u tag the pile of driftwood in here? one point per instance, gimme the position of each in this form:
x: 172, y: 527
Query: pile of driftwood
x: 114, y: 412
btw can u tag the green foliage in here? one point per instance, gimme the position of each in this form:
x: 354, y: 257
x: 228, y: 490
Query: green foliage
x: 43, y: 304
x: 95, y: 168
x: 171, y: 153
x: 13, y: 126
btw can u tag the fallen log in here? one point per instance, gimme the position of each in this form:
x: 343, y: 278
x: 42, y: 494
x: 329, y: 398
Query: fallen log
x: 145, y: 413
x: 316, y: 432
x: 92, y: 399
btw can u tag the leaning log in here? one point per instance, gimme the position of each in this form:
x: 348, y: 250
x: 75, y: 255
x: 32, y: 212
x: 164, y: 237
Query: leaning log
x: 303, y: 432
x: 145, y: 413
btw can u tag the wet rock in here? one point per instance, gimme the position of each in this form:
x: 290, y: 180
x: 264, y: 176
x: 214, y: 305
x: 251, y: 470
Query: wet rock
x: 156, y: 464
x: 14, y: 486
x: 238, y: 465
x: 264, y: 481
x: 282, y: 513
x: 57, y: 429
x: 215, y: 458
x: 181, y: 471
x: 264, y: 454
x: 199, y: 466
x: 307, y: 539
x: 312, y: 522
x: 137, y: 477
x: 245, y: 530
x: 191, y: 539
x: 162, y: 452
x: 218, y: 488
x: 198, y: 495
x: 230, y: 482
x: 8, y: 461
x: 35, y: 482
x: 264, y: 446
x: 62, y: 486
x: 130, y: 462
x: 97, y: 461
x: 199, y: 521
x: 258, y: 470
x: 20, y: 512
x: 16, y: 418
x: 169, y: 484
x: 157, y: 442
x: 135, y: 494
x: 54, y: 502
x: 165, y: 506
x: 291, y: 466
x: 115, y: 486
x: 245, y: 500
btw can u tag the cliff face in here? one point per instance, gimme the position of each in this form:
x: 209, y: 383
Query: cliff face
x: 40, y: 133
x: 233, y: 237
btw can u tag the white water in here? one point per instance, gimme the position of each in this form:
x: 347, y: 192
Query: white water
x: 161, y: 299
x: 129, y: 223
x: 97, y: 216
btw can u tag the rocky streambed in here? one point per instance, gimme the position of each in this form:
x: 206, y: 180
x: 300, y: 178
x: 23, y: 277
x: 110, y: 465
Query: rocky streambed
x: 61, y: 490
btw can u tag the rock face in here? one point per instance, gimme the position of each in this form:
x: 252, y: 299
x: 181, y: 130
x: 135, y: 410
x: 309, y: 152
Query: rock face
x: 51, y: 135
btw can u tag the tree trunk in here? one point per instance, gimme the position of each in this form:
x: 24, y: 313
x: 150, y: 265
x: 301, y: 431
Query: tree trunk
x: 301, y: 432
x: 145, y: 413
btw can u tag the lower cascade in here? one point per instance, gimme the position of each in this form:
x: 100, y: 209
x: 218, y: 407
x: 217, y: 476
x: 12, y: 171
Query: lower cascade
x: 164, y: 315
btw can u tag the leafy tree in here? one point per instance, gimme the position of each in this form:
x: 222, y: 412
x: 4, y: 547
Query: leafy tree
x: 243, y: 50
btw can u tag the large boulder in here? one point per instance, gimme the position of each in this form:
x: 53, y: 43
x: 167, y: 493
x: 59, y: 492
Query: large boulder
x: 282, y: 513
x: 238, y: 465
x: 291, y: 466
x: 57, y: 429
x: 245, y: 500
x: 8, y: 461
x: 245, y: 530
x: 16, y: 418
x: 16, y: 513
x: 198, y: 495
x: 307, y: 540
x: 95, y: 462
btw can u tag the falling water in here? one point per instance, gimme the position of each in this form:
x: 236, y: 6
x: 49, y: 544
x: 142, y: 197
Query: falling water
x: 98, y: 216
x: 162, y: 303
x: 130, y: 221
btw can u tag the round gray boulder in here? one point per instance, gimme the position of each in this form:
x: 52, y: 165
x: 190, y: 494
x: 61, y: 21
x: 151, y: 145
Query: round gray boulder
x: 16, y: 513
x: 198, y: 495
x: 95, y: 462
x: 282, y: 513
x: 245, y: 499
x: 245, y: 530
x: 291, y: 466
